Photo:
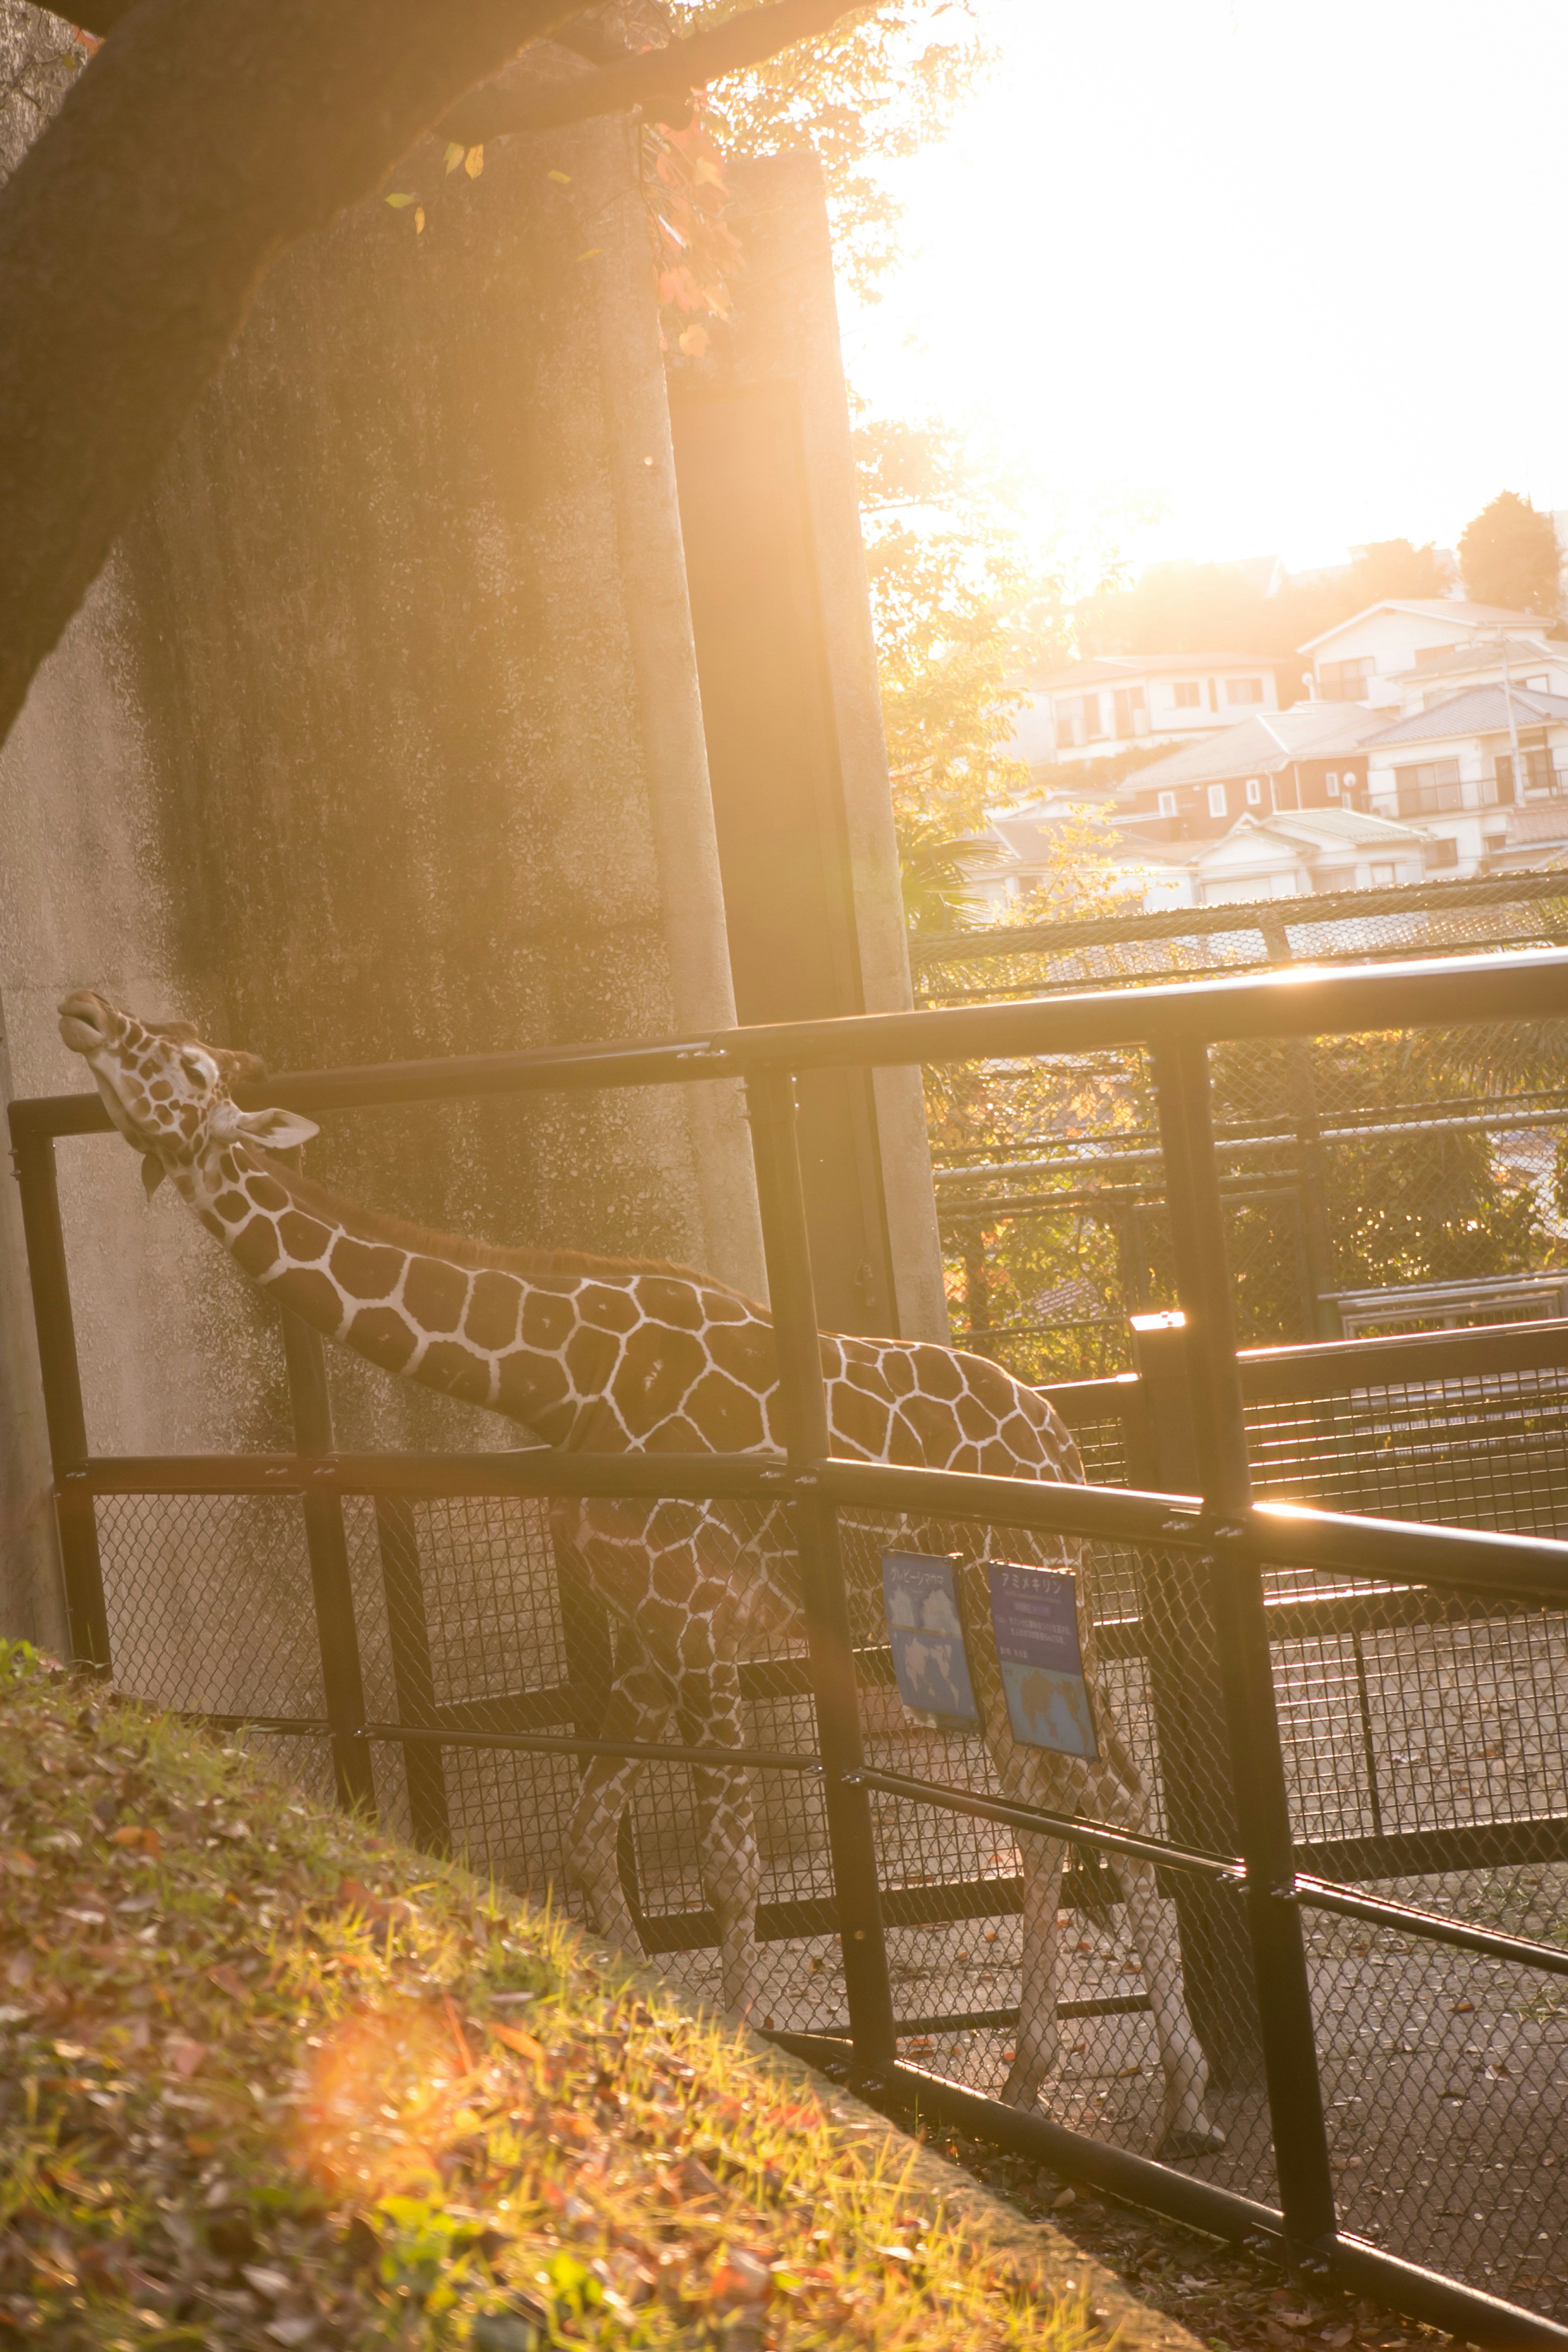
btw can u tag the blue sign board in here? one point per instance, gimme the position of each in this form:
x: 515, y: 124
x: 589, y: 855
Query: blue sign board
x: 927, y: 1638
x: 1034, y: 1615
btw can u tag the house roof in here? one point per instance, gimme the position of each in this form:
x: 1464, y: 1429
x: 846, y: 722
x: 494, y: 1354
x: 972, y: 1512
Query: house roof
x: 1312, y: 830
x: 1114, y: 670
x: 1484, y: 651
x: 1429, y: 608
x: 1539, y: 820
x: 1333, y: 827
x: 1479, y: 710
x: 1260, y: 745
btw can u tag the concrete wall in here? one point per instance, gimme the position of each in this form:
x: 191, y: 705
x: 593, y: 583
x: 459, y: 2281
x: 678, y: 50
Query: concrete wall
x: 381, y: 736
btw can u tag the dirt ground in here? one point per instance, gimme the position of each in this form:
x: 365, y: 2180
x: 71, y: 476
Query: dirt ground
x: 1231, y: 2300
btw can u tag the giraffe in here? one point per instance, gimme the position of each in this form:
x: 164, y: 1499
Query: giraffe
x: 610, y: 1356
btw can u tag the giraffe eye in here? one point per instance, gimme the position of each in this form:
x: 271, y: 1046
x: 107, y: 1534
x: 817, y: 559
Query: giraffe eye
x: 192, y: 1069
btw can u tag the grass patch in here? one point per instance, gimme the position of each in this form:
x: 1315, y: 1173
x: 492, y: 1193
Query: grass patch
x: 268, y: 2079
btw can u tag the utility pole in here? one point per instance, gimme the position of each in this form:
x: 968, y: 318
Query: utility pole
x: 1519, y: 778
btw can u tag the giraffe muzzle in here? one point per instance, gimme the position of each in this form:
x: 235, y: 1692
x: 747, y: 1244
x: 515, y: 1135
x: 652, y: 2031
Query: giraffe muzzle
x: 84, y: 1022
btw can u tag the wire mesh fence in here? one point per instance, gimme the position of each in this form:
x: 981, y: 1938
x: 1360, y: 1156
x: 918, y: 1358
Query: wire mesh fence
x: 1425, y: 1754
x: 1089, y: 1892
x: 1388, y: 1181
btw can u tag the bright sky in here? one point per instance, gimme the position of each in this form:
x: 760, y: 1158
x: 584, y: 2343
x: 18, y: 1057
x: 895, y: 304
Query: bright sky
x: 1294, y: 271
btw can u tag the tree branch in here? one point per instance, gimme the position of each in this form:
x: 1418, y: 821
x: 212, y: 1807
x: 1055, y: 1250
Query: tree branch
x: 657, y: 76
x: 134, y: 232
x: 136, y: 229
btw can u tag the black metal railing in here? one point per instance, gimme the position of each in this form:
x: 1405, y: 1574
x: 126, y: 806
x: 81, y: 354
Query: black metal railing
x: 1225, y: 1543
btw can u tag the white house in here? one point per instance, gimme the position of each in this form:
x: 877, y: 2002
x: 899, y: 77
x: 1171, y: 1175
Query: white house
x: 1538, y: 663
x: 1095, y: 708
x: 1301, y: 853
x: 1364, y: 659
x: 1451, y: 770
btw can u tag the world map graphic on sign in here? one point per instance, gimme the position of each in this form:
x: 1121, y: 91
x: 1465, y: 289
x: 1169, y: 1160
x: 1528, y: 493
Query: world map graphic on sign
x: 927, y: 1638
x: 1034, y: 1615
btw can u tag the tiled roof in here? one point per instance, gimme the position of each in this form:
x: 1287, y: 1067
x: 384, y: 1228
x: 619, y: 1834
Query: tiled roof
x: 1522, y: 650
x: 1479, y: 710
x: 1258, y: 746
x: 1452, y: 609
x: 1115, y: 669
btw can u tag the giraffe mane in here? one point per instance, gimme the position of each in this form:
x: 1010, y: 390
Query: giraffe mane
x: 479, y: 1256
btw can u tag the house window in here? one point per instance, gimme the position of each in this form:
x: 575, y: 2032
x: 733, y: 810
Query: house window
x: 1244, y: 689
x: 1189, y: 694
x: 1330, y: 785
x: 1129, y: 708
x: 1167, y: 803
x: 1218, y: 804
x: 1254, y: 792
x: 1348, y: 681
x: 1431, y: 790
x: 1384, y: 877
x: 1334, y: 878
x: 1540, y: 777
x: 1441, y: 851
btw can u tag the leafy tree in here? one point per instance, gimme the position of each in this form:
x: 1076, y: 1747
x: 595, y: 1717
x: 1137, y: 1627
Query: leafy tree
x: 877, y: 87
x: 1221, y: 608
x: 1509, y: 555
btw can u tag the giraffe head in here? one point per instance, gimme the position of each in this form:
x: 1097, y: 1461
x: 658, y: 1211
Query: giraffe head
x: 169, y: 1095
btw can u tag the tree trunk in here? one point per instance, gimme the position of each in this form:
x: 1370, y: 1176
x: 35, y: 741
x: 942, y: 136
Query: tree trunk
x: 192, y: 150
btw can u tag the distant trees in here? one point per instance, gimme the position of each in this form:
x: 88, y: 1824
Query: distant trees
x: 1509, y: 555
x: 1179, y: 608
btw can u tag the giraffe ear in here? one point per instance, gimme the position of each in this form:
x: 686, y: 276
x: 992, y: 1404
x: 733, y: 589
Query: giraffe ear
x: 275, y: 1129
x: 153, y: 1172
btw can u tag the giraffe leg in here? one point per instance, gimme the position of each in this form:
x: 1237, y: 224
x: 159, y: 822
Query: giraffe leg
x: 639, y: 1708
x: 1035, y: 2049
x: 708, y: 1712
x: 1116, y: 1793
x: 1185, y: 2129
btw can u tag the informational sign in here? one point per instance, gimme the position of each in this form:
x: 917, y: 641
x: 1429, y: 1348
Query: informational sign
x: 927, y: 1639
x: 1034, y: 1614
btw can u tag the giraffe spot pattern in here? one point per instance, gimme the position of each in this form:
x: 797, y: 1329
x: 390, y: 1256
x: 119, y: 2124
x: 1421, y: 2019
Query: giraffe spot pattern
x: 435, y: 1294
x: 303, y: 1238
x: 364, y: 1270
x: 641, y: 1362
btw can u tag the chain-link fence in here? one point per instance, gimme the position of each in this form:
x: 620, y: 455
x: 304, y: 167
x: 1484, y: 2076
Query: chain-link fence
x: 1266, y: 1930
x: 1388, y: 1181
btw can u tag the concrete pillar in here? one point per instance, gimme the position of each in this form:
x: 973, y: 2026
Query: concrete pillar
x: 795, y: 743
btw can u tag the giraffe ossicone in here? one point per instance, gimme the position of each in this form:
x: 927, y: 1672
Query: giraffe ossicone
x: 609, y: 1356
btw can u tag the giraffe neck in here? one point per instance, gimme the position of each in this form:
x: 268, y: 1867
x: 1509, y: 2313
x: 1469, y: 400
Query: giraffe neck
x: 577, y: 1349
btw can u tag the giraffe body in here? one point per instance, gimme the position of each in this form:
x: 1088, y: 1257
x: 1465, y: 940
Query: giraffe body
x: 609, y: 1356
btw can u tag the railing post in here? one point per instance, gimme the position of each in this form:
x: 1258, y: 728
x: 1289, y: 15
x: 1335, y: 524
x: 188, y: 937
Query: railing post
x: 76, y: 1517
x: 770, y: 1098
x: 1262, y: 1804
x: 1186, y: 1696
x: 408, y: 1637
x: 327, y: 1545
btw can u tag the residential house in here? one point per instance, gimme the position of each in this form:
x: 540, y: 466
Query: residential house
x: 1097, y: 708
x: 1304, y: 758
x: 1302, y: 853
x: 1538, y: 663
x: 1366, y: 658
x: 1451, y: 770
x: 1023, y: 852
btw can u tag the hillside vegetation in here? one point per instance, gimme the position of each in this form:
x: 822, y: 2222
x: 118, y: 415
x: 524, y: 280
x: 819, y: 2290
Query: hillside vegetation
x: 268, y: 2079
